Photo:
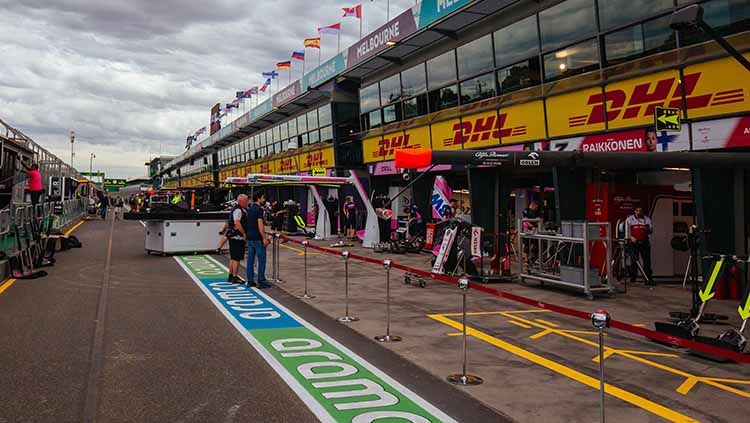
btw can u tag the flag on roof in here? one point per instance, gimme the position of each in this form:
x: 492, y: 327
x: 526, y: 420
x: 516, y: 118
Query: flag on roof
x: 299, y: 55
x: 284, y: 65
x: 273, y: 74
x: 200, y: 131
x: 252, y: 90
x: 355, y: 11
x: 330, y: 29
x: 312, y: 42
x: 265, y: 85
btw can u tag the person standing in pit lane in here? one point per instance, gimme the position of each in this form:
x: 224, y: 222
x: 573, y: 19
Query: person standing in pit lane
x: 237, y: 237
x: 350, y: 218
x: 257, y: 241
x: 640, y: 228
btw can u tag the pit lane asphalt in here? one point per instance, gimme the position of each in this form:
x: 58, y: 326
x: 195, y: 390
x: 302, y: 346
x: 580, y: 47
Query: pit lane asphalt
x: 162, y: 351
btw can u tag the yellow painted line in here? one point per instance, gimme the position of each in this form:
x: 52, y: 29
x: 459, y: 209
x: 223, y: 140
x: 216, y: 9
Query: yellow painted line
x: 519, y: 324
x: 301, y: 252
x: 70, y: 231
x: 528, y: 311
x: 7, y: 285
x: 455, y: 333
x: 541, y: 333
x: 687, y: 385
x: 635, y: 356
x: 476, y: 313
x: 554, y: 325
x: 629, y: 397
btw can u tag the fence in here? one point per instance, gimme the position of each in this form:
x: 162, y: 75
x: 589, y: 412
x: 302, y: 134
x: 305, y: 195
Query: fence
x: 58, y: 214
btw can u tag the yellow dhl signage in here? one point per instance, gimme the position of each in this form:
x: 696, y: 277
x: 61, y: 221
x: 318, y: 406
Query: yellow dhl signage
x: 706, y: 89
x: 323, y: 158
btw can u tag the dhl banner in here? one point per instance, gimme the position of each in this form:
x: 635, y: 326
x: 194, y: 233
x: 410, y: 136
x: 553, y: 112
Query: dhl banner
x: 323, y: 158
x: 448, y: 134
x: 473, y: 131
x: 523, y: 122
x: 571, y: 113
x: 631, y: 103
x: 376, y: 149
x: 716, y: 88
x: 709, y: 89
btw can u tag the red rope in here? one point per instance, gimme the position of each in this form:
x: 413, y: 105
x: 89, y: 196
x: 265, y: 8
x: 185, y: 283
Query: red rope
x: 648, y: 333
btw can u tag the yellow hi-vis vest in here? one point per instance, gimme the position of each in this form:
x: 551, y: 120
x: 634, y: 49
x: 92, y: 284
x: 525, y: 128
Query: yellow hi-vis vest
x: 175, y: 199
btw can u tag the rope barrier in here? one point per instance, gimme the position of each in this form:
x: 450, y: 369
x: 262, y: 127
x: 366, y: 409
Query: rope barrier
x: 616, y: 324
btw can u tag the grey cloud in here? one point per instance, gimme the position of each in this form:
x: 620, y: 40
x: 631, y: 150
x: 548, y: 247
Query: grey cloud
x: 130, y: 76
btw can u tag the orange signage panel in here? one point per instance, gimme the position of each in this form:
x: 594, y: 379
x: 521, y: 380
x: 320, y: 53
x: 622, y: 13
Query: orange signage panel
x: 522, y: 122
x: 571, y: 113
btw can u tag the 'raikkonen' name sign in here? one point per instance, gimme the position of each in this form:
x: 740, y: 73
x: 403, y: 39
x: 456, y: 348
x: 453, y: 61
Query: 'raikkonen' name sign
x: 396, y: 29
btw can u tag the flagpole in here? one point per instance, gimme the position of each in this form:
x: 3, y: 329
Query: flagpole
x: 360, y: 26
x: 303, y: 63
x: 319, y: 55
x: 338, y: 42
x: 289, y: 80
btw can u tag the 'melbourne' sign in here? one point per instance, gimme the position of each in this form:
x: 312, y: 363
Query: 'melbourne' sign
x: 375, y: 42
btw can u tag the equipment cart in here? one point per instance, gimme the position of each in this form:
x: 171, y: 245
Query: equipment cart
x: 576, y: 257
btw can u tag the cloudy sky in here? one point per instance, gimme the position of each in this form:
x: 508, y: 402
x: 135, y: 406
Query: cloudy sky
x: 134, y: 77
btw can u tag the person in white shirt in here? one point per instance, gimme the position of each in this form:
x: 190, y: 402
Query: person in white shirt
x: 640, y: 228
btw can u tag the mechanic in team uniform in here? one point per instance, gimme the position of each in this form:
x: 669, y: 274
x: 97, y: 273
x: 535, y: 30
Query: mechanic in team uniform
x: 639, y: 226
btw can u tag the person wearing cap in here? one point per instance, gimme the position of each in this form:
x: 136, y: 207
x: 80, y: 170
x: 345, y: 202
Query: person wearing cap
x: 639, y: 226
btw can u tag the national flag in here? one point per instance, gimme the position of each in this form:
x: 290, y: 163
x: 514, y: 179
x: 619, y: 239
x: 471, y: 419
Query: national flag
x: 284, y: 65
x: 252, y: 90
x: 299, y: 55
x: 265, y: 85
x: 200, y: 131
x: 355, y: 11
x: 312, y: 42
x: 273, y: 74
x: 330, y: 29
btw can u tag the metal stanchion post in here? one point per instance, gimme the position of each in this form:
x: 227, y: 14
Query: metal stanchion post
x: 273, y: 258
x: 387, y: 337
x: 463, y: 378
x: 305, y: 296
x: 346, y: 318
x: 600, y: 319
x: 277, y: 277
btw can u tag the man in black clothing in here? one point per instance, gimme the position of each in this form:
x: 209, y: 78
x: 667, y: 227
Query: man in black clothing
x: 256, y: 241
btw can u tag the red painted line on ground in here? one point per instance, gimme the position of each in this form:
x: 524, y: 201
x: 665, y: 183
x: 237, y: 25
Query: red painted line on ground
x: 626, y: 327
